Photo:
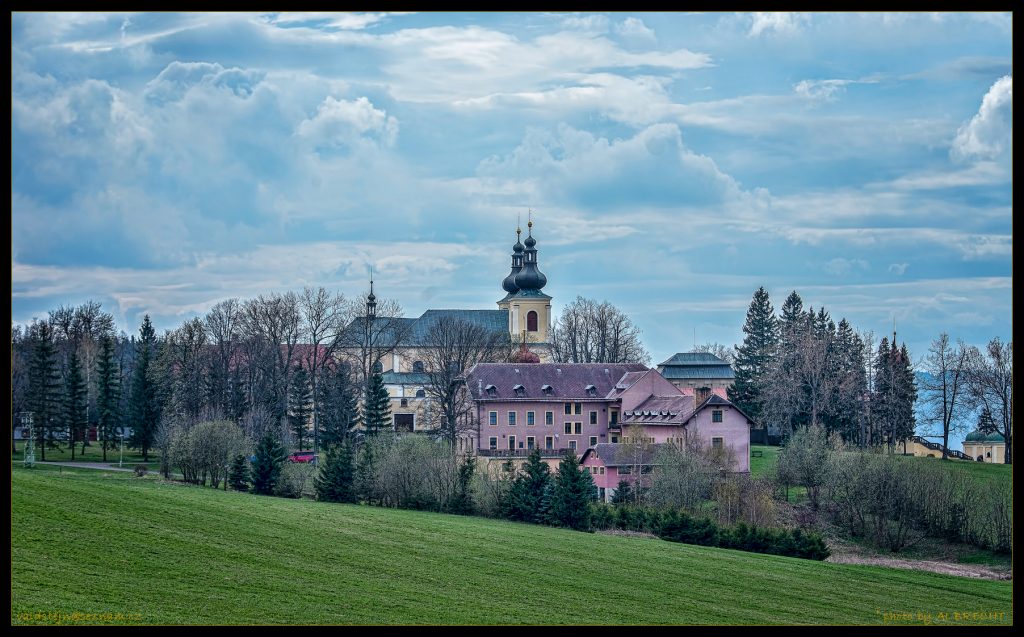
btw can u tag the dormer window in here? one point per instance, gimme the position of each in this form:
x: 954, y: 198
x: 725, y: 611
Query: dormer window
x: 417, y: 367
x: 519, y: 390
x: 491, y: 390
x: 547, y: 390
x: 591, y: 390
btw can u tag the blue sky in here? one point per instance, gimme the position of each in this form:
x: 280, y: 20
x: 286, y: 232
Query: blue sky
x: 675, y: 162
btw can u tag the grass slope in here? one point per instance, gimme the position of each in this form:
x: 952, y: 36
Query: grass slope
x: 97, y: 542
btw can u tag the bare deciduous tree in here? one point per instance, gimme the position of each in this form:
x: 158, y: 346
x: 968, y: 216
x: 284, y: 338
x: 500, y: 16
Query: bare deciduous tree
x: 324, y: 316
x: 367, y: 340
x: 591, y: 332
x: 944, y: 388
x: 724, y: 352
x: 990, y: 378
x: 449, y: 349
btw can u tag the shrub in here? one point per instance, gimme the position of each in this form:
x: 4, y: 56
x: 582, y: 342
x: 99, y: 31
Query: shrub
x: 334, y: 482
x: 293, y: 479
x: 238, y: 477
x: 141, y: 470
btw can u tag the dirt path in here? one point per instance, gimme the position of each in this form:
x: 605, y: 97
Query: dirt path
x: 945, y: 568
x: 87, y: 465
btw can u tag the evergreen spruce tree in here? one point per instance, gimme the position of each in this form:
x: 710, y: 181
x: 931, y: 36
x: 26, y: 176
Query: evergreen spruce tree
x: 377, y: 412
x: 238, y: 476
x: 108, y: 401
x: 336, y: 480
x: 623, y: 493
x: 851, y: 384
x: 75, y: 406
x: 884, y: 398
x: 986, y: 423
x: 906, y: 395
x: 573, y: 492
x: 754, y: 356
x: 144, y: 413
x: 340, y: 412
x: 300, y: 401
x: 365, y: 472
x: 266, y: 468
x: 462, y: 500
x: 236, y: 405
x: 45, y: 389
x: 525, y: 498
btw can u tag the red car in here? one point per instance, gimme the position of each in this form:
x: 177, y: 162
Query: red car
x: 302, y: 456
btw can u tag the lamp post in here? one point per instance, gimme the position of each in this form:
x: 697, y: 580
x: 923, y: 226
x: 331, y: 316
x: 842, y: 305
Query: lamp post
x: 121, y: 458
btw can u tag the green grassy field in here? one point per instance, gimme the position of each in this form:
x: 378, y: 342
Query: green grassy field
x: 93, y: 542
x: 93, y: 453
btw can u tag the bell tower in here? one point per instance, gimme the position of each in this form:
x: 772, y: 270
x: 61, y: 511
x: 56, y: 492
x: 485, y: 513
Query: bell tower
x: 529, y: 309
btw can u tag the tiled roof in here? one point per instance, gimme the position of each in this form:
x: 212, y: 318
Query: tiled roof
x: 694, y: 358
x: 722, y: 370
x: 622, y: 455
x: 660, y: 410
x: 417, y: 329
x: 568, y: 381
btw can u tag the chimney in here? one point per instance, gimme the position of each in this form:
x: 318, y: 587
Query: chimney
x: 480, y: 387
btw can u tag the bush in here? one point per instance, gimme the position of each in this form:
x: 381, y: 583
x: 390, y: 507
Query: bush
x: 293, y: 479
x: 238, y: 477
x: 141, y: 470
x: 602, y: 516
x: 204, y: 451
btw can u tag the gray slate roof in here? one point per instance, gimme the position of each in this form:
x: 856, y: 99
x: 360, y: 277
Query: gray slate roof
x: 405, y: 378
x: 623, y: 455
x: 417, y: 329
x: 660, y: 410
x: 695, y: 365
x: 568, y: 381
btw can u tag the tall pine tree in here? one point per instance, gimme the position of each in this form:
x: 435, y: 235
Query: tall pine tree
x: 144, y: 413
x: 894, y: 395
x: 754, y: 356
x: 377, y: 412
x: 45, y: 389
x: 340, y: 410
x: 108, y: 401
x: 851, y: 384
x: 573, y: 492
x: 336, y: 480
x: 525, y: 499
x: 75, y: 414
x: 266, y: 468
x: 300, y: 402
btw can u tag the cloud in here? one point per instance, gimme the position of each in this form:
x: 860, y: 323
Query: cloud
x: 634, y: 29
x: 332, y: 20
x: 594, y: 23
x: 343, y: 123
x: 777, y: 23
x: 898, y: 268
x: 842, y: 267
x: 989, y: 134
x: 825, y: 90
x: 178, y: 78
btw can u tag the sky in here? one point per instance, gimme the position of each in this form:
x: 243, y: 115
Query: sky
x: 674, y: 163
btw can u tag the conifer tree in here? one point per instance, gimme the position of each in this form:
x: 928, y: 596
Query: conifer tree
x: 300, y: 401
x: 266, y: 468
x: 336, y: 480
x: 462, y: 500
x: 851, y: 383
x: 573, y: 492
x: 377, y: 412
x: 143, y: 407
x: 340, y: 410
x: 108, y: 401
x: 238, y: 476
x: 75, y: 414
x: 754, y: 356
x: 623, y: 493
x: 365, y: 472
x: 525, y: 498
x: 45, y: 393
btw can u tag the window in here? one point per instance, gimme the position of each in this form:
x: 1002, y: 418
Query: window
x: 420, y: 393
x: 549, y: 417
x: 568, y: 427
x: 579, y: 428
x: 716, y: 415
x: 593, y: 441
x: 547, y: 390
x: 519, y: 390
x: 591, y: 390
x: 405, y: 402
x: 530, y: 419
x: 578, y: 408
x: 593, y: 417
x: 511, y: 442
x: 613, y: 417
x: 530, y: 442
x: 531, y: 321
x: 600, y: 490
x: 549, y: 442
x: 602, y: 471
x: 417, y: 367
x: 625, y: 471
x: 568, y: 408
x: 491, y: 390
x: 716, y: 443
x: 511, y: 419
x: 493, y: 418
x: 615, y: 440
x: 572, y: 445
x: 492, y: 442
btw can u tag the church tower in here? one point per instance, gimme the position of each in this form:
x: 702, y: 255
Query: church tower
x: 529, y: 309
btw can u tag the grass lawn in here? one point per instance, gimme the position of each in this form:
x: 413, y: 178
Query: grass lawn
x: 98, y: 542
x: 93, y: 453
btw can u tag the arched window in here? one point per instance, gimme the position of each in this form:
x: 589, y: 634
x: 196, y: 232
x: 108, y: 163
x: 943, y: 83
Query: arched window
x: 405, y: 402
x: 417, y: 367
x: 531, y: 321
x: 420, y: 393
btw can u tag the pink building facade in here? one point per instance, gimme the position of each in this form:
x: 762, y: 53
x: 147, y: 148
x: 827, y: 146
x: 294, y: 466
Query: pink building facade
x: 557, y: 406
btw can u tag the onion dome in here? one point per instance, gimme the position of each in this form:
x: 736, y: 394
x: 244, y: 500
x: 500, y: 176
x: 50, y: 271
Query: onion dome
x: 530, y: 278
x: 509, y: 283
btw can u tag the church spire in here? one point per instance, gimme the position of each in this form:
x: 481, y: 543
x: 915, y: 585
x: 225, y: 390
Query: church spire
x: 530, y: 278
x: 371, y: 300
x: 509, y: 283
